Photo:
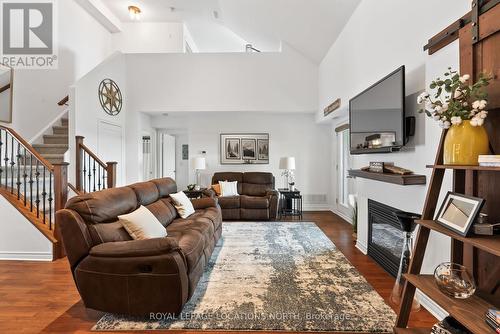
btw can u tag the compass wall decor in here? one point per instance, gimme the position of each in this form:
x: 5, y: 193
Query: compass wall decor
x: 110, y: 97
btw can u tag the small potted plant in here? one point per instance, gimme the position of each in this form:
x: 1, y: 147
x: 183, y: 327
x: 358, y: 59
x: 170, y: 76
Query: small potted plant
x: 459, y: 107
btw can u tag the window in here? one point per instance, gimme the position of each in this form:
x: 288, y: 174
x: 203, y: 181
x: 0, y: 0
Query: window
x: 343, y: 165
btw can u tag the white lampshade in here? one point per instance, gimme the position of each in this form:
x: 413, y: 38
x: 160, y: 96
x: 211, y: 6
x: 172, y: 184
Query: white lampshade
x: 287, y: 163
x: 199, y: 163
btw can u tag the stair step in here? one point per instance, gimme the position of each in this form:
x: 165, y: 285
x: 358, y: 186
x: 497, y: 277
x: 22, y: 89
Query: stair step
x: 56, y: 139
x: 54, y: 158
x: 64, y: 121
x: 51, y: 148
x: 60, y: 130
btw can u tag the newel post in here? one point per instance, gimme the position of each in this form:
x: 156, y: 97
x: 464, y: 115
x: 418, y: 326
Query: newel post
x: 111, y: 170
x: 60, y: 185
x: 78, y: 162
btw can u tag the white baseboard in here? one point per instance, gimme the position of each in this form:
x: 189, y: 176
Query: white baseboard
x: 341, y: 215
x: 26, y: 256
x: 362, y: 247
x: 315, y: 207
x: 431, y: 306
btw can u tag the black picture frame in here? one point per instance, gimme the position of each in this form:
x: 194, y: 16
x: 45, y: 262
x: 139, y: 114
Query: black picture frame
x: 470, y: 203
x: 263, y: 149
x: 229, y: 154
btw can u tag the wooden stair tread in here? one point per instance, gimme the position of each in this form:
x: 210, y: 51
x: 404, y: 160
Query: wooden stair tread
x: 469, y: 312
x: 490, y: 244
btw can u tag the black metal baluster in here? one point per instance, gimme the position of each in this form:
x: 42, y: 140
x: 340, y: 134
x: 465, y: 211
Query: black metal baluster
x: 31, y: 182
x: 90, y: 175
x: 84, y: 172
x: 18, y: 183
x: 6, y: 160
x: 37, y: 179
x: 44, y: 194
x: 12, y: 163
x: 25, y: 175
x: 93, y: 174
x: 104, y: 177
x: 1, y: 144
x: 50, y: 201
x: 99, y: 167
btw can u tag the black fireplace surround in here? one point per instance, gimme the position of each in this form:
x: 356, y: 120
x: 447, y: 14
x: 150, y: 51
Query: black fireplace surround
x: 385, y: 236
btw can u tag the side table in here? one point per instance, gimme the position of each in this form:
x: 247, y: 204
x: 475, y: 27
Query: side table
x: 290, y: 203
x: 193, y: 194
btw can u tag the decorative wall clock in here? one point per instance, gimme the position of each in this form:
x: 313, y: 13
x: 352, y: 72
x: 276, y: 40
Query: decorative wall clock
x: 110, y: 97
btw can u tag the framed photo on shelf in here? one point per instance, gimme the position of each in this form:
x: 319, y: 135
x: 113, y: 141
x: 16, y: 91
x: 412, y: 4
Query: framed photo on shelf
x: 458, y: 212
x: 244, y: 148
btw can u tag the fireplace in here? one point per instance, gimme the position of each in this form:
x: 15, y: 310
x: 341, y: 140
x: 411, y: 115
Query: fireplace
x: 385, y: 236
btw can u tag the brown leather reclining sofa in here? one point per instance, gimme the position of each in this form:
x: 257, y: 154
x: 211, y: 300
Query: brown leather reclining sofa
x: 114, y: 273
x: 258, y: 199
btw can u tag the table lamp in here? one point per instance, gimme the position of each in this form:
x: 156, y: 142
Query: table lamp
x: 199, y: 163
x: 287, y: 164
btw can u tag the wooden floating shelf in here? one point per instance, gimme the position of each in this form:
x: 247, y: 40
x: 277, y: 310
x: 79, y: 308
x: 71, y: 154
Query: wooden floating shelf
x: 469, y: 312
x: 463, y: 167
x: 490, y: 244
x: 403, y: 180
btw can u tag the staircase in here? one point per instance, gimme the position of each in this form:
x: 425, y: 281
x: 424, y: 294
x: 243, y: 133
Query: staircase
x: 56, y: 144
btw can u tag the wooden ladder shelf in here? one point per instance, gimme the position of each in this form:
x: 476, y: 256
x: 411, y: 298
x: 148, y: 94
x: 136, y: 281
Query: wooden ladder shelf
x: 479, y: 254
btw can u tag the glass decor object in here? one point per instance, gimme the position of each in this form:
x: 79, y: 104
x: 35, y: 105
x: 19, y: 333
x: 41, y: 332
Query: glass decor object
x: 407, y: 221
x: 454, y: 280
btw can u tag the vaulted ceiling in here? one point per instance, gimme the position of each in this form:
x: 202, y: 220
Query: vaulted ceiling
x: 309, y: 26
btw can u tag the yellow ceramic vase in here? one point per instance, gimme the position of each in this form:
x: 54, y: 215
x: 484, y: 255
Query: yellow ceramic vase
x: 464, y: 143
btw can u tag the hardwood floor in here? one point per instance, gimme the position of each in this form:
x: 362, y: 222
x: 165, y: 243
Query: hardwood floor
x: 40, y: 297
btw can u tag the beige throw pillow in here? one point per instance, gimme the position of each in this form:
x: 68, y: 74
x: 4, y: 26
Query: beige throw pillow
x: 142, y: 224
x: 229, y: 188
x: 182, y: 204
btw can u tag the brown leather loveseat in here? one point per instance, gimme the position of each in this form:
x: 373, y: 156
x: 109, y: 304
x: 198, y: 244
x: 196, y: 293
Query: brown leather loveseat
x: 258, y: 199
x: 114, y: 273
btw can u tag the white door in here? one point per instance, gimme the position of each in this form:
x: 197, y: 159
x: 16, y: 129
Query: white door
x: 168, y: 156
x: 342, y: 173
x: 110, y: 147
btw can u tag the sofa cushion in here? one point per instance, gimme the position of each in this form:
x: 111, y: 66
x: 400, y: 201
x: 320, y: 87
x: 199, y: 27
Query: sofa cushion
x: 254, y: 202
x: 229, y: 188
x: 110, y: 232
x: 146, y: 192
x: 182, y: 204
x: 166, y: 186
x: 163, y: 210
x: 104, y: 206
x: 191, y: 242
x: 229, y: 202
x: 258, y: 178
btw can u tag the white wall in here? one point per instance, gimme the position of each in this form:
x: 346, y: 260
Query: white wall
x: 271, y: 82
x: 86, y: 112
x: 150, y: 37
x: 289, y: 135
x: 369, y: 48
x: 83, y: 43
x: 20, y: 240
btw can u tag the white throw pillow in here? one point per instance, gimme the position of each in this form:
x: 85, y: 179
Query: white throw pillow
x: 142, y: 224
x: 228, y: 188
x: 182, y: 204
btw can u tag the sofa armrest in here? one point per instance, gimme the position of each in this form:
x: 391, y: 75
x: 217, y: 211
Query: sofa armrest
x: 204, y: 203
x: 135, y: 248
x: 273, y: 196
x: 209, y: 193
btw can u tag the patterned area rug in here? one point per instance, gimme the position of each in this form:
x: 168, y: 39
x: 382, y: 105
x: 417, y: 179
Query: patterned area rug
x: 274, y: 276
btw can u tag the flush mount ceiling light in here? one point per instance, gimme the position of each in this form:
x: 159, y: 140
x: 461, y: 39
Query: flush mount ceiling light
x: 134, y: 12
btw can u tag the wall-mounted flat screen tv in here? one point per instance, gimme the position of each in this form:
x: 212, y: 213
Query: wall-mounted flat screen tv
x: 377, y: 116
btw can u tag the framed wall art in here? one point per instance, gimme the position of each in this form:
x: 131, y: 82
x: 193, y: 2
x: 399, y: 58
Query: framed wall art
x: 244, y: 148
x: 458, y: 212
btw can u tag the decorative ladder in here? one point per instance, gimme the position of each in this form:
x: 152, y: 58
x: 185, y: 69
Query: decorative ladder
x: 92, y: 174
x: 36, y: 187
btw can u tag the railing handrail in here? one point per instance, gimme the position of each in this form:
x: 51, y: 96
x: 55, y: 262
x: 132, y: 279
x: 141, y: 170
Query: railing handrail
x: 29, y: 148
x: 64, y: 101
x: 76, y: 191
x: 4, y: 88
x: 92, y: 154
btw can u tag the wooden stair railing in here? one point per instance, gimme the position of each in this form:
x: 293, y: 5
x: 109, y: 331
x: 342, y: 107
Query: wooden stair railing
x: 64, y: 101
x: 34, y: 186
x: 92, y: 174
